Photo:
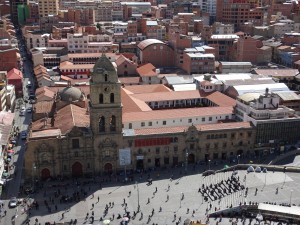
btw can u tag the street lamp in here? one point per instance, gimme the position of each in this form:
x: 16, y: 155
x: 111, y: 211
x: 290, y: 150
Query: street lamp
x: 238, y: 159
x: 33, y: 175
x: 124, y: 161
x: 138, y: 192
x: 209, y: 164
x: 291, y: 197
x: 186, y: 159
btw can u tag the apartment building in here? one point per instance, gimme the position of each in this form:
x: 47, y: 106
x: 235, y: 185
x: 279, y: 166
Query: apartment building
x: 36, y: 39
x: 48, y: 7
x: 103, y: 11
x: 221, y: 28
x: 196, y: 62
x: 81, y: 43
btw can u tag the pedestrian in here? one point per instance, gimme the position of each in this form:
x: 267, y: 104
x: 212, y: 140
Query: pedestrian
x: 187, y: 211
x: 98, y: 199
x: 148, y: 201
x: 155, y: 189
x: 5, y: 212
x: 129, y: 194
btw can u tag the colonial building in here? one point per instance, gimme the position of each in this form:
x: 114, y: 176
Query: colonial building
x: 82, y: 133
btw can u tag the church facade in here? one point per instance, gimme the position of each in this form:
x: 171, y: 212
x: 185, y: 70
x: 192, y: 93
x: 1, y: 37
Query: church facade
x: 83, y: 135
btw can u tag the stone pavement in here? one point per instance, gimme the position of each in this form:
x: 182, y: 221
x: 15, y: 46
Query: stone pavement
x: 186, y: 185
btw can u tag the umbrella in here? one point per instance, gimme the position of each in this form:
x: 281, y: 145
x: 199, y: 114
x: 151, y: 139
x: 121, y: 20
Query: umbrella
x: 250, y: 169
x: 226, y: 166
x: 125, y: 219
x: 106, y: 221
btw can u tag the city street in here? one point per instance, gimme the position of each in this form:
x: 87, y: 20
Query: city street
x: 13, y: 184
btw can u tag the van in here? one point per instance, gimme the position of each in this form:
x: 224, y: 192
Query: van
x: 29, y: 84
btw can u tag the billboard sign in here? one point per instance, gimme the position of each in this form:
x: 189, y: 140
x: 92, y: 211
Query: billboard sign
x: 125, y: 156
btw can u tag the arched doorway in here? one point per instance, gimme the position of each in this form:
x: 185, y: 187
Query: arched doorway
x: 77, y: 169
x: 191, y: 158
x: 108, y: 168
x: 45, y: 174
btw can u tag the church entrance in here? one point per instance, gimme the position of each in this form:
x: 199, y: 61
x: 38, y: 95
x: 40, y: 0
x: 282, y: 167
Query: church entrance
x: 191, y: 158
x: 45, y: 174
x: 108, y: 168
x: 140, y: 164
x: 77, y: 169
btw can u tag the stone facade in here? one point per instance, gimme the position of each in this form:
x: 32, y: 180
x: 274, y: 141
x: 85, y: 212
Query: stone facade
x: 90, y: 146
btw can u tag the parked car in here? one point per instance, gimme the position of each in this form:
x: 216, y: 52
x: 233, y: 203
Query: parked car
x: 13, y: 202
x: 23, y: 135
x: 29, y: 110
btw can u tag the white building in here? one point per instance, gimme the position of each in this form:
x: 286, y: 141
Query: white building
x: 221, y: 28
x: 80, y: 43
x: 36, y: 40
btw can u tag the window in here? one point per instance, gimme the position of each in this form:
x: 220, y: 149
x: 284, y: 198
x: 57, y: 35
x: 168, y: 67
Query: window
x: 203, y: 119
x: 249, y: 134
x: 175, y: 149
x: 112, y: 97
x: 149, y: 124
x: 130, y: 143
x: 107, y: 153
x: 142, y: 124
x: 101, y: 98
x: 65, y: 167
x: 210, y: 118
x: 157, y: 150
x: 112, y: 123
x: 105, y: 77
x: 166, y: 161
x: 192, y: 146
x: 224, y: 145
x: 208, y: 137
x: 164, y: 122
x: 232, y: 135
x: 149, y: 160
x: 216, y: 145
x: 75, y: 143
x: 130, y: 126
x: 102, y: 124
x: 190, y: 120
x: 125, y: 66
x: 76, y: 154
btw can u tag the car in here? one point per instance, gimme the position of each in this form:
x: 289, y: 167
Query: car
x: 29, y: 110
x: 23, y: 135
x: 13, y: 202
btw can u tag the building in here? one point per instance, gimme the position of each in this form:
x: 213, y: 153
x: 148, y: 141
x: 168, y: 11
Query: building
x: 276, y: 124
x: 38, y: 39
x: 80, y: 16
x: 235, y: 67
x: 9, y: 59
x: 221, y: 28
x: 15, y: 77
x: 92, y: 141
x: 156, y: 52
x: 195, y: 63
x: 48, y: 7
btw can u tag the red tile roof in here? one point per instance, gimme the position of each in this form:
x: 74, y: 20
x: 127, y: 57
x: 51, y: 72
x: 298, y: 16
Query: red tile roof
x: 14, y: 74
x: 43, y: 106
x: 175, y: 113
x: 205, y: 127
x: 221, y: 99
x: 132, y: 105
x: 135, y: 89
x: 277, y: 72
x: 144, y: 44
x: 168, y: 96
x: 147, y: 70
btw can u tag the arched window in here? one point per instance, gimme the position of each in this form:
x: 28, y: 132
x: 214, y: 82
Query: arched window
x: 105, y: 77
x: 102, y: 124
x: 112, y: 97
x: 112, y: 123
x: 101, y: 98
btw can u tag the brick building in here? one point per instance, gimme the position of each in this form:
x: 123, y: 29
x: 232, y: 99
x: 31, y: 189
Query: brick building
x: 9, y: 59
x: 156, y: 52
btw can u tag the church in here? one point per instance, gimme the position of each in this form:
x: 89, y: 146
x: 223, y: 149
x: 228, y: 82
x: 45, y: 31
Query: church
x: 100, y: 130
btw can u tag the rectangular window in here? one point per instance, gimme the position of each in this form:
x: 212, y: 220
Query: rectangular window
x: 75, y: 143
x: 175, y: 148
x: 210, y: 119
x: 149, y: 124
x: 190, y: 120
x: 203, y: 119
x: 192, y: 146
x: 107, y: 153
x: 164, y: 122
x: 142, y: 124
x: 157, y: 150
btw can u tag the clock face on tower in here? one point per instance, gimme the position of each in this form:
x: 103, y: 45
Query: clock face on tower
x: 106, y: 89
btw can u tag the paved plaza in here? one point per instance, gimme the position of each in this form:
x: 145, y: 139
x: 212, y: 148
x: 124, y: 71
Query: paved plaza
x: 170, y: 201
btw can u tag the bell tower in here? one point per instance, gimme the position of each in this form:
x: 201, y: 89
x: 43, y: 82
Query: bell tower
x: 105, y: 115
x: 105, y: 98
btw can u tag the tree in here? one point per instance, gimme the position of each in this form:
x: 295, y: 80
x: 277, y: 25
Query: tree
x: 98, y: 26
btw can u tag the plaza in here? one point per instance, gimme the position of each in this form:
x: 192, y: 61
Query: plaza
x: 168, y: 196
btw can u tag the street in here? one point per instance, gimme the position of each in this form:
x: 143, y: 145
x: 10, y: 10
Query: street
x: 13, y: 184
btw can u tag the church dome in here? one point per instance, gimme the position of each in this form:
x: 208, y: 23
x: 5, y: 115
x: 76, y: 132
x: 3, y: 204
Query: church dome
x: 104, y: 63
x: 71, y: 94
